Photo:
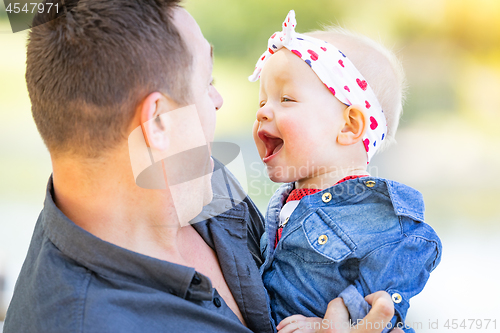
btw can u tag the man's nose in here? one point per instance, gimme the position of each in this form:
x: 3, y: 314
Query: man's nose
x: 265, y: 113
x: 217, y: 98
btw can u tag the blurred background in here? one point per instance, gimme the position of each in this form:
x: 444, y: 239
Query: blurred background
x: 448, y: 139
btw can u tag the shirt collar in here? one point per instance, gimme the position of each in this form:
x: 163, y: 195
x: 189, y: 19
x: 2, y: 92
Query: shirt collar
x: 405, y: 200
x: 115, y: 262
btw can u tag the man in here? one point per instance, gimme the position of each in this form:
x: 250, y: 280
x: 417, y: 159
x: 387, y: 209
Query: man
x: 108, y: 255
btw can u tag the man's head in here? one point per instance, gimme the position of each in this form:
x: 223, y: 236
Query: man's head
x: 112, y: 69
x: 179, y: 138
x: 302, y: 129
x: 88, y: 70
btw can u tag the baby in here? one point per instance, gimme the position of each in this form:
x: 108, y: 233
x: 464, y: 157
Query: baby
x: 332, y: 229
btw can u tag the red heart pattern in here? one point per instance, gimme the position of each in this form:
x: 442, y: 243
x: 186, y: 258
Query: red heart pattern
x: 367, y: 104
x: 374, y: 123
x: 314, y: 55
x: 341, y: 63
x: 362, y: 84
x: 347, y: 88
x: 366, y: 142
x: 331, y: 89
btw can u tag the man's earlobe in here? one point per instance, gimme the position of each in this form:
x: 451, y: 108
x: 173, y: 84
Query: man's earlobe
x: 355, y: 125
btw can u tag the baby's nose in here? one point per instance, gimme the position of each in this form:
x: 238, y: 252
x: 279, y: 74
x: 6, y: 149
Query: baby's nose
x: 264, y: 113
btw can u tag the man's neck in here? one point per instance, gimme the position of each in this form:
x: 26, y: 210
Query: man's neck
x: 103, y: 199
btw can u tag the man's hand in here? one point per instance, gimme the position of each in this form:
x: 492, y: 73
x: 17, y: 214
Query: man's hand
x: 337, y: 318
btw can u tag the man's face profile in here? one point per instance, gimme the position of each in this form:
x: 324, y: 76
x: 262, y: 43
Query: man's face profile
x: 178, y: 156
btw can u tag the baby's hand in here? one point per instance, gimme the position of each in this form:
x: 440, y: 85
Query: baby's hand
x: 299, y: 323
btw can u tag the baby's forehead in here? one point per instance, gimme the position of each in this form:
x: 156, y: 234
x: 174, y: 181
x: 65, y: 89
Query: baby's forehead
x: 282, y: 65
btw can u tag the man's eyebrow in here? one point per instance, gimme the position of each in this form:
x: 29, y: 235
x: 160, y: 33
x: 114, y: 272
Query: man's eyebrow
x: 212, y: 52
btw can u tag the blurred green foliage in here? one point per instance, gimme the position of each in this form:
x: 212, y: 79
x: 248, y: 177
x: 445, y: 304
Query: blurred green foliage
x: 241, y: 28
x: 237, y: 27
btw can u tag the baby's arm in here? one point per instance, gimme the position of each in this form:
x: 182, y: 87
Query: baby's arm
x: 401, y: 269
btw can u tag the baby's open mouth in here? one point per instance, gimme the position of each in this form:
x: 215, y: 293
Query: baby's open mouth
x: 273, y: 145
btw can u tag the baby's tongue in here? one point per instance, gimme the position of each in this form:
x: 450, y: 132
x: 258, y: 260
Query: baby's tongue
x: 278, y: 147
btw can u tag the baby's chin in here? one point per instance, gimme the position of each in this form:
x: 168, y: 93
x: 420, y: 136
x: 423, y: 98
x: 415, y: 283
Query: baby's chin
x: 277, y: 175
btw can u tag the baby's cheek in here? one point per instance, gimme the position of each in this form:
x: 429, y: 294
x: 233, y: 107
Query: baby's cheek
x: 299, y: 137
x: 291, y: 127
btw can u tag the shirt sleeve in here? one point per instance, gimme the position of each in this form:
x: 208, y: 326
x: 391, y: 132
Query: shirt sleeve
x: 401, y: 269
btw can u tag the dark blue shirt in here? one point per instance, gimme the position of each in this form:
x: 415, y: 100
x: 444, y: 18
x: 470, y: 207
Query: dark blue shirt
x: 72, y: 281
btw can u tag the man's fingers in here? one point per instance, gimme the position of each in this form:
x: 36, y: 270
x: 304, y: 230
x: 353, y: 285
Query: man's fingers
x: 383, y: 304
x: 379, y: 316
x: 289, y: 328
x: 337, y: 317
x: 289, y: 320
x: 299, y: 324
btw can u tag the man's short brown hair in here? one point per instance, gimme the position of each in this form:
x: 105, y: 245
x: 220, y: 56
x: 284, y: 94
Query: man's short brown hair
x: 91, y: 64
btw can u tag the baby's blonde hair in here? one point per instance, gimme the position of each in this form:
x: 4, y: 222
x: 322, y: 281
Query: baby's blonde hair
x: 379, y: 66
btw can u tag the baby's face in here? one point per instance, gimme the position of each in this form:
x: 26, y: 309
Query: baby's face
x: 298, y: 120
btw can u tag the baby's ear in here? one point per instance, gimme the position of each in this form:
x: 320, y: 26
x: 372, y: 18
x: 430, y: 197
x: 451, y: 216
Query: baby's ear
x: 355, y: 125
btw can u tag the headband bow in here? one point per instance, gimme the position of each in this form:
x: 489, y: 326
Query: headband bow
x: 336, y: 72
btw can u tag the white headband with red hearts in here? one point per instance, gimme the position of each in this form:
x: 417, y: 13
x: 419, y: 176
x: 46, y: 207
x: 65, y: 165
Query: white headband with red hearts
x: 337, y: 73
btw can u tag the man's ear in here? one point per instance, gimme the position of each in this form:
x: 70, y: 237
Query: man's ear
x: 155, y: 127
x: 355, y: 125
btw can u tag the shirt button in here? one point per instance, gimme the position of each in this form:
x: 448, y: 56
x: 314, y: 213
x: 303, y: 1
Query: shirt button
x: 326, y: 197
x: 396, y: 298
x: 370, y: 183
x: 322, y: 239
x: 217, y: 302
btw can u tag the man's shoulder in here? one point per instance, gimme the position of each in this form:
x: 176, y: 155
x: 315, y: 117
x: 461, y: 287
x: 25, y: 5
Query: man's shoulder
x: 48, y: 290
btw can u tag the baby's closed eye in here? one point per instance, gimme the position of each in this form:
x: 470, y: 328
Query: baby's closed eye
x: 286, y: 99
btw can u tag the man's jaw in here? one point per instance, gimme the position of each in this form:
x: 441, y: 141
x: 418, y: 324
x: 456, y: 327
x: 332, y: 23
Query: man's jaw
x: 273, y: 145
